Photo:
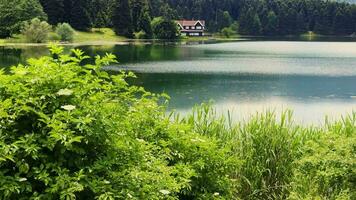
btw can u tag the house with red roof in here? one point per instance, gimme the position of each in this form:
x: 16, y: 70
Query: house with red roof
x: 191, y: 27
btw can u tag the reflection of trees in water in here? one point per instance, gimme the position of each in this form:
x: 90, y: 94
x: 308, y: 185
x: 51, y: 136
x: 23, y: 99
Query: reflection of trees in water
x: 10, y: 56
x: 133, y: 53
x: 187, y: 90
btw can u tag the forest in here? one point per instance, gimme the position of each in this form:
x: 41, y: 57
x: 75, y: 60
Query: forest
x: 245, y: 17
x: 255, y: 17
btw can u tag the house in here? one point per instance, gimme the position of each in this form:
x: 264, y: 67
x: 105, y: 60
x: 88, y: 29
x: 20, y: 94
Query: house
x: 191, y: 27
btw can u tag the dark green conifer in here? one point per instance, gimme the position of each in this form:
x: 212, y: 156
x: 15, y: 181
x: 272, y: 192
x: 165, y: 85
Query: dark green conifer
x: 122, y: 19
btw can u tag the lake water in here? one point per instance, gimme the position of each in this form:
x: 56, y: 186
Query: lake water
x: 314, y: 79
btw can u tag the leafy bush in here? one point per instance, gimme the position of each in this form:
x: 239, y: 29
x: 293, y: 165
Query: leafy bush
x: 227, y: 32
x: 140, y: 35
x: 164, y: 29
x: 69, y: 131
x: 65, y: 32
x: 36, y: 30
x: 53, y: 37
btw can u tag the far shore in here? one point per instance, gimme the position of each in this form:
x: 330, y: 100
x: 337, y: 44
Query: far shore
x: 106, y: 36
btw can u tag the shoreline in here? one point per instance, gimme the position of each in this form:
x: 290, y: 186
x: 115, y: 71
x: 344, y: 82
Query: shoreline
x: 125, y: 41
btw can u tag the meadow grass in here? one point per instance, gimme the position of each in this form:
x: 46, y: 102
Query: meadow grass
x: 276, y: 153
x: 95, y: 35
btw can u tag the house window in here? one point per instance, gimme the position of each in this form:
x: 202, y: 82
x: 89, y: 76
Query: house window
x: 199, y: 27
x: 193, y: 27
x: 185, y: 27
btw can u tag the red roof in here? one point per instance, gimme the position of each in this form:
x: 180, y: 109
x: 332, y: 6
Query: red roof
x: 190, y: 22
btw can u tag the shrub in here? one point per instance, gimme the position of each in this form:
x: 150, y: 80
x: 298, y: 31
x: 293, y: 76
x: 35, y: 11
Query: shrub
x: 164, y: 29
x: 53, y: 37
x: 36, y: 30
x: 72, y: 131
x: 227, y: 32
x: 65, y: 32
x: 140, y: 35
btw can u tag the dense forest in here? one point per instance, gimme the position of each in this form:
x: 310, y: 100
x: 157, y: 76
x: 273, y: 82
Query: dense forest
x: 246, y: 17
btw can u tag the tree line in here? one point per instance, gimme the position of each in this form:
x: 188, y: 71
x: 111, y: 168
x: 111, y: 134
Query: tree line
x: 247, y: 17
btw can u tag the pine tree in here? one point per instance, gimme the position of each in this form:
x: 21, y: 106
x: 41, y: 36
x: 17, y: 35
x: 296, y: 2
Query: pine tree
x: 271, y: 27
x: 80, y: 18
x: 55, y: 10
x: 250, y: 23
x: 256, y: 27
x: 301, y: 26
x: 145, y: 24
x: 138, y: 8
x: 122, y: 19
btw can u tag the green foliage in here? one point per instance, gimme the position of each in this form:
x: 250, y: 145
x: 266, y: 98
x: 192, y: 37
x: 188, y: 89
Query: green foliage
x: 72, y: 131
x: 101, y: 12
x: 54, y: 37
x: 281, y: 160
x: 79, y: 16
x: 140, y: 35
x: 227, y: 32
x: 122, y: 19
x: 14, y: 12
x: 65, y: 32
x: 328, y: 167
x: 250, y: 23
x: 55, y: 10
x: 271, y: 27
x: 164, y: 28
x: 36, y: 31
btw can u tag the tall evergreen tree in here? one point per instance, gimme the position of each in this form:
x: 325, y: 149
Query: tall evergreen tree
x: 145, y: 24
x: 55, y: 10
x: 122, y: 19
x: 250, y: 23
x: 138, y: 8
x: 271, y: 27
x: 301, y: 26
x: 80, y: 18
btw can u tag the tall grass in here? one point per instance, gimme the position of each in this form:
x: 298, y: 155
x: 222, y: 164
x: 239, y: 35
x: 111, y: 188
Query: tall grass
x: 271, y: 147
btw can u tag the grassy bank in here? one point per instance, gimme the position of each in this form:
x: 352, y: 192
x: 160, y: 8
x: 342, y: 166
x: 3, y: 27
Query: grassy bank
x: 95, y: 36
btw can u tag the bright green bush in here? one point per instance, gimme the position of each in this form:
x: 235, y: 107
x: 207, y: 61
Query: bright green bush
x: 65, y: 32
x: 36, y: 30
x: 69, y: 131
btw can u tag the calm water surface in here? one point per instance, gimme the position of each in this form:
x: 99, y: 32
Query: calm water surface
x: 312, y: 78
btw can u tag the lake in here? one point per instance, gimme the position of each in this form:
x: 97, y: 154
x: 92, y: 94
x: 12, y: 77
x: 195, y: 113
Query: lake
x: 314, y: 79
